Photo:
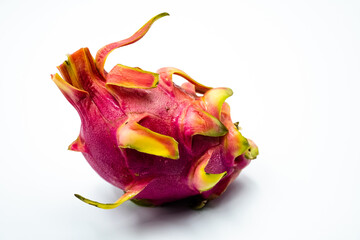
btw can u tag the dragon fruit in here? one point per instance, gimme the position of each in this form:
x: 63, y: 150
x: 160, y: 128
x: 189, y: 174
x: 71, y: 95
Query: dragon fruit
x: 157, y: 141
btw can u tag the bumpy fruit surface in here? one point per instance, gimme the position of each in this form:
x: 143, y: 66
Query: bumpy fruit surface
x: 157, y: 141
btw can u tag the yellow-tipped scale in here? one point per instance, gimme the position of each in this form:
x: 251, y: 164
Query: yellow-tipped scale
x: 253, y: 150
x: 132, y: 135
x: 121, y: 200
x: 214, y: 99
x: 78, y: 145
x: 102, y: 54
x: 167, y: 73
x: 72, y: 93
x: 134, y: 190
x: 198, y: 122
x: 202, y: 180
x: 129, y: 77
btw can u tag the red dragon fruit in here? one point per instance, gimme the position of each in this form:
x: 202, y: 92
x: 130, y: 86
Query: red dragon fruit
x: 157, y: 141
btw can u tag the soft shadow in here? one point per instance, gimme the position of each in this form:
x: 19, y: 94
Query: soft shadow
x: 177, y: 214
x: 230, y: 196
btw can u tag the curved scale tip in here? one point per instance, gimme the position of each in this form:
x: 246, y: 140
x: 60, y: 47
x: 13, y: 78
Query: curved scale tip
x: 252, y: 152
x: 73, y: 94
x: 202, y: 180
x: 132, y: 135
x: 129, y: 77
x: 198, y: 122
x: 78, y: 145
x: 214, y: 99
x: 161, y: 15
x: 167, y: 72
x: 134, y: 190
x: 102, y: 53
x: 121, y: 200
x: 235, y: 143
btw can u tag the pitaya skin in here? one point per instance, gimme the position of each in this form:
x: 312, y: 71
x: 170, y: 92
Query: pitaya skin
x: 157, y: 141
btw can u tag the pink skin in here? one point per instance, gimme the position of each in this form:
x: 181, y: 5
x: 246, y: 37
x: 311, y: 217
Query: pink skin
x: 104, y: 108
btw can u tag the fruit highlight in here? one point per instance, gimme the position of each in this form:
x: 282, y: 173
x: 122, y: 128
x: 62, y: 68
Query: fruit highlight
x: 141, y: 132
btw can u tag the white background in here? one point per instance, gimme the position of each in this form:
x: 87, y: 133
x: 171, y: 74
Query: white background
x: 294, y: 67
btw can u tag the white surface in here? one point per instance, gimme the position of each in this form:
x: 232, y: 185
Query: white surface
x: 294, y: 70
